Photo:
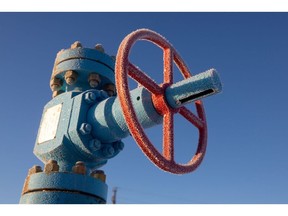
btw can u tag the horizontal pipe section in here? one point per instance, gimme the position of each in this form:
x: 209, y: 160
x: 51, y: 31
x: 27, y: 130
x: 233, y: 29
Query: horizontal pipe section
x: 107, y: 119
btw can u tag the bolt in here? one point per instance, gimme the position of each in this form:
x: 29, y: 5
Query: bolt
x: 99, y: 174
x: 85, y: 129
x: 34, y: 169
x: 108, y: 151
x: 110, y: 89
x: 55, y: 84
x: 90, y: 97
x: 51, y: 166
x: 76, y: 44
x: 119, y: 145
x: 95, y: 145
x: 94, y: 80
x: 79, y: 168
x: 71, y: 77
x: 99, y: 48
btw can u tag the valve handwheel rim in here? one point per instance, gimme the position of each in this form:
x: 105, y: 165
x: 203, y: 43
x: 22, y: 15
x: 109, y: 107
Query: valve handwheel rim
x: 124, y: 68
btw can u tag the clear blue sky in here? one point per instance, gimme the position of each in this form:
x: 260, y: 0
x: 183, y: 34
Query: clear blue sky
x: 246, y: 160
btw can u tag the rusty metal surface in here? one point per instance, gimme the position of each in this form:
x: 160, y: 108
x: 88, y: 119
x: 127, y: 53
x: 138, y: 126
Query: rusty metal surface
x: 123, y: 69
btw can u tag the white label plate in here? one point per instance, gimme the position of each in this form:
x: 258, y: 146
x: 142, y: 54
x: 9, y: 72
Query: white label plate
x: 49, y: 125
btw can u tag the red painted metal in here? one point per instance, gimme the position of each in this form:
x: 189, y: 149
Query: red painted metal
x: 124, y: 68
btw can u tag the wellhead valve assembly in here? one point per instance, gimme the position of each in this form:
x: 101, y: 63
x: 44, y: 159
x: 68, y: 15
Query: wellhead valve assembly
x: 93, y: 109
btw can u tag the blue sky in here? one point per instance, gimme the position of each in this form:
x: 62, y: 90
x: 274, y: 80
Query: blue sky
x: 247, y: 123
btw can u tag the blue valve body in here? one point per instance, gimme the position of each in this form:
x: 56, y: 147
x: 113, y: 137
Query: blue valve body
x: 84, y: 124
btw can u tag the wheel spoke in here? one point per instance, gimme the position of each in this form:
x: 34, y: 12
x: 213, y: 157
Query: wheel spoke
x: 168, y: 66
x: 142, y: 79
x: 168, y: 136
x: 191, y: 117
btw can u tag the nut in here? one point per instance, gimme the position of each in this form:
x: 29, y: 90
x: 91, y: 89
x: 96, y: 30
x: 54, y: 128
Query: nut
x: 85, y: 129
x: 99, y: 48
x: 79, y: 168
x: 71, y: 77
x: 110, y: 89
x: 55, y: 84
x: 99, y: 174
x: 94, y: 80
x: 51, y: 166
x: 76, y: 44
x: 34, y: 169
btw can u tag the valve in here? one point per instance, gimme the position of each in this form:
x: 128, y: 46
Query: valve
x: 92, y: 110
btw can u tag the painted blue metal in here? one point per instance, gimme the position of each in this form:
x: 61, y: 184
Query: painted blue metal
x: 84, y: 61
x: 92, y: 125
x: 63, y: 187
x: 108, y: 123
x: 73, y: 138
x: 107, y: 120
x: 58, y: 197
x: 193, y: 88
x: 85, y: 53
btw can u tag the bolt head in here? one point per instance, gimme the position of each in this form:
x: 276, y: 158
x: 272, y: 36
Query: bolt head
x: 119, y: 145
x: 90, y: 97
x: 95, y: 145
x: 110, y: 89
x: 76, y: 44
x: 79, y: 168
x: 71, y: 77
x: 99, y: 174
x: 94, y: 80
x: 93, y: 83
x: 51, y: 166
x: 85, y: 129
x: 108, y: 151
x: 55, y: 84
x: 99, y: 48
x: 34, y: 169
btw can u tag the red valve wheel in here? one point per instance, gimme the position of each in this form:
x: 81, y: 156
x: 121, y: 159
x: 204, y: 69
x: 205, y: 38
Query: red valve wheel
x: 123, y: 69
